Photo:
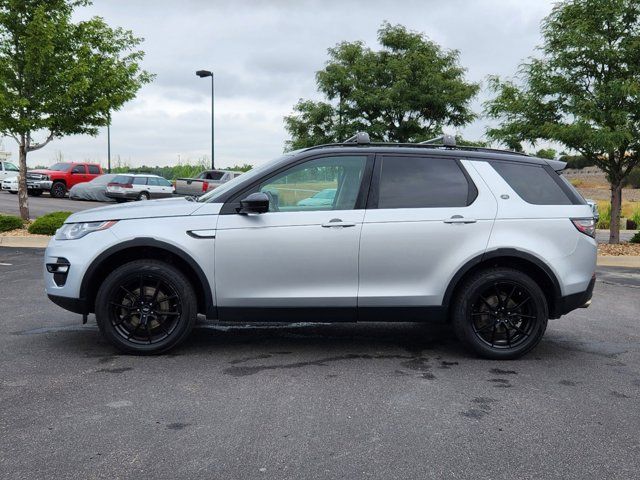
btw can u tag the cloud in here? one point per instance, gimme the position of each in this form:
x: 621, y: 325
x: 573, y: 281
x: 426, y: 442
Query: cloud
x: 265, y: 55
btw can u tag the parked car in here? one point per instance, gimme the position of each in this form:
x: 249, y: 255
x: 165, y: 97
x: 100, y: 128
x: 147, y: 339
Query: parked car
x: 594, y: 209
x: 60, y: 177
x: 10, y: 185
x: 489, y: 240
x: 8, y: 170
x: 95, y: 190
x: 323, y: 198
x: 204, y: 182
x: 138, y: 187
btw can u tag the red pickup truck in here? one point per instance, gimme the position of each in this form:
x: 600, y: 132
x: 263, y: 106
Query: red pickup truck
x: 60, y: 177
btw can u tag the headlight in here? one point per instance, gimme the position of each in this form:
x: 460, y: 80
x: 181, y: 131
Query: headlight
x: 73, y: 231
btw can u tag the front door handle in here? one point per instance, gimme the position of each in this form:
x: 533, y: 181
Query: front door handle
x: 459, y: 219
x: 337, y: 222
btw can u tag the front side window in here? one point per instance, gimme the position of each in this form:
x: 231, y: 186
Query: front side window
x: 78, y: 169
x: 329, y: 183
x: 422, y: 182
x: 152, y: 181
x: 10, y: 167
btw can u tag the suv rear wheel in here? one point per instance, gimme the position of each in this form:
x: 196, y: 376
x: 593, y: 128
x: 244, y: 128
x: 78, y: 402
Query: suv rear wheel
x: 146, y: 307
x: 500, y: 313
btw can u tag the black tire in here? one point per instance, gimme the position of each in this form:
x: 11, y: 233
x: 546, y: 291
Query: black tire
x: 121, y: 200
x: 33, y: 193
x: 58, y: 190
x: 500, y: 313
x: 143, y: 196
x: 137, y: 325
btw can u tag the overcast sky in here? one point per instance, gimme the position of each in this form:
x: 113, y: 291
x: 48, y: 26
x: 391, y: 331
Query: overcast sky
x: 264, y: 55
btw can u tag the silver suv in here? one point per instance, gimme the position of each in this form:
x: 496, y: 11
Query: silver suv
x: 492, y: 241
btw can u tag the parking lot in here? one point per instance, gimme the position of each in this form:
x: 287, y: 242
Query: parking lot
x: 39, y: 206
x: 316, y: 401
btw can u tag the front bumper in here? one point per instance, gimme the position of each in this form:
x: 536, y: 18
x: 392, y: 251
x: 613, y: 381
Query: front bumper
x: 39, y: 184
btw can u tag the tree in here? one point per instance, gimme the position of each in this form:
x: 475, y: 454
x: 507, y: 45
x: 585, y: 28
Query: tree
x: 60, y: 78
x: 405, y: 92
x: 583, y: 91
x: 548, y: 153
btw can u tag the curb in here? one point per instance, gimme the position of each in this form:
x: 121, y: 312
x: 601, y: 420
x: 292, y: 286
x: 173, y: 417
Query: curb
x: 620, y: 261
x: 24, y: 242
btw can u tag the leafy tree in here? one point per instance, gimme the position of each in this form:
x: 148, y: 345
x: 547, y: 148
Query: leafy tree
x: 58, y: 77
x: 548, y: 153
x: 583, y: 91
x: 405, y: 92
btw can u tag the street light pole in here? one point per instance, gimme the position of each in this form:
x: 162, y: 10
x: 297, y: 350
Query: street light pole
x: 204, y: 74
x: 109, y: 144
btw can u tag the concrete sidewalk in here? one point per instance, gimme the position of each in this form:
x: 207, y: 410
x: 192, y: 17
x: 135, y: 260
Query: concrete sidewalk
x: 41, y: 242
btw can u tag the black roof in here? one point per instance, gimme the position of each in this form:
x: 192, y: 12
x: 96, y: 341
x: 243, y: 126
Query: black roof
x: 479, y: 153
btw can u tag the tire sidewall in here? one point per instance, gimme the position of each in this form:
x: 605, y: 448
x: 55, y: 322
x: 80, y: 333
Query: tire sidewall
x: 462, y: 308
x: 58, y: 190
x: 154, y: 268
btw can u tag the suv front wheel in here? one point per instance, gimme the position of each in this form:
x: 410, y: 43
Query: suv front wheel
x: 146, y: 307
x: 500, y: 313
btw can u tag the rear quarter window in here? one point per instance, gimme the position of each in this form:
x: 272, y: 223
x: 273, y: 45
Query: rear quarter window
x: 536, y: 184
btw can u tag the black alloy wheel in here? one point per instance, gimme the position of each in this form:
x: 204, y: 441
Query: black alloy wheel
x: 500, y: 313
x: 58, y: 190
x: 146, y: 306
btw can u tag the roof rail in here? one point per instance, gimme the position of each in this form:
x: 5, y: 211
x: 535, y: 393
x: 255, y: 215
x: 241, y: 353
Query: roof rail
x: 446, y: 140
x: 361, y: 138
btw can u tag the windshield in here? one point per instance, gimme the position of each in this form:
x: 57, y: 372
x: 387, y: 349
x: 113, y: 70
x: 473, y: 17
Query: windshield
x: 10, y: 167
x: 60, y: 167
x: 213, y: 195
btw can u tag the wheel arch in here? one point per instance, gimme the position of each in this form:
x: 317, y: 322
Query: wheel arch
x: 150, y: 248
x: 525, y: 262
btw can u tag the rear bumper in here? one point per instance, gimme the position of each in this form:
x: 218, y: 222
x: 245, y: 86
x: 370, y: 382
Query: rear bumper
x: 569, y: 303
x: 123, y: 195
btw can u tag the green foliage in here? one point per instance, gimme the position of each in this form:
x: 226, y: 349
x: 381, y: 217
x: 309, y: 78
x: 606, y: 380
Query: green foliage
x: 635, y: 238
x: 583, y: 91
x: 49, y: 223
x: 10, y: 222
x: 548, y: 153
x: 405, y: 92
x: 604, y: 221
x: 635, y: 217
x: 577, y: 161
x: 633, y: 179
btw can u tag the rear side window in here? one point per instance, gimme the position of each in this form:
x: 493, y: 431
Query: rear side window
x: 423, y: 182
x: 122, y: 179
x: 535, y: 184
x: 93, y: 170
x: 139, y: 180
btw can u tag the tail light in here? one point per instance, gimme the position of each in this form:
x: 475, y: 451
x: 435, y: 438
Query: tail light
x: 585, y: 225
x: 205, y: 186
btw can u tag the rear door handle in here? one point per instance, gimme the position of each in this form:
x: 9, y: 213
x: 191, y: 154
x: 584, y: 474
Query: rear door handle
x: 459, y: 219
x: 337, y: 222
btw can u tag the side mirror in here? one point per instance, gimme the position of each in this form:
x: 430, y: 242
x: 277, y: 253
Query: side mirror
x: 257, y: 202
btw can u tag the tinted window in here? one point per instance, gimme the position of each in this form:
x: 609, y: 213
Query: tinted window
x: 10, y: 167
x: 139, y: 180
x: 164, y: 182
x: 78, y: 169
x: 296, y: 188
x: 422, y: 182
x: 533, y: 183
x: 94, y: 170
x: 152, y: 181
x: 122, y: 179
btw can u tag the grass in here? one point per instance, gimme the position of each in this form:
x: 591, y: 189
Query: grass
x: 10, y: 222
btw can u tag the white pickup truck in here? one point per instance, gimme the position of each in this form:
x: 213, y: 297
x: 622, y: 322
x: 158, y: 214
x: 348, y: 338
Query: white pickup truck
x: 205, y: 181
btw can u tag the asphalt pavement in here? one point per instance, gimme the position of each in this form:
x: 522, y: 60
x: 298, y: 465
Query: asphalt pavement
x: 44, y: 204
x: 387, y: 400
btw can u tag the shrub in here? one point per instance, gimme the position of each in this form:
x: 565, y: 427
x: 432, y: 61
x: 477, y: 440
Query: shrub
x: 605, y: 217
x: 635, y: 238
x: 635, y: 217
x: 10, y: 222
x: 49, y: 223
